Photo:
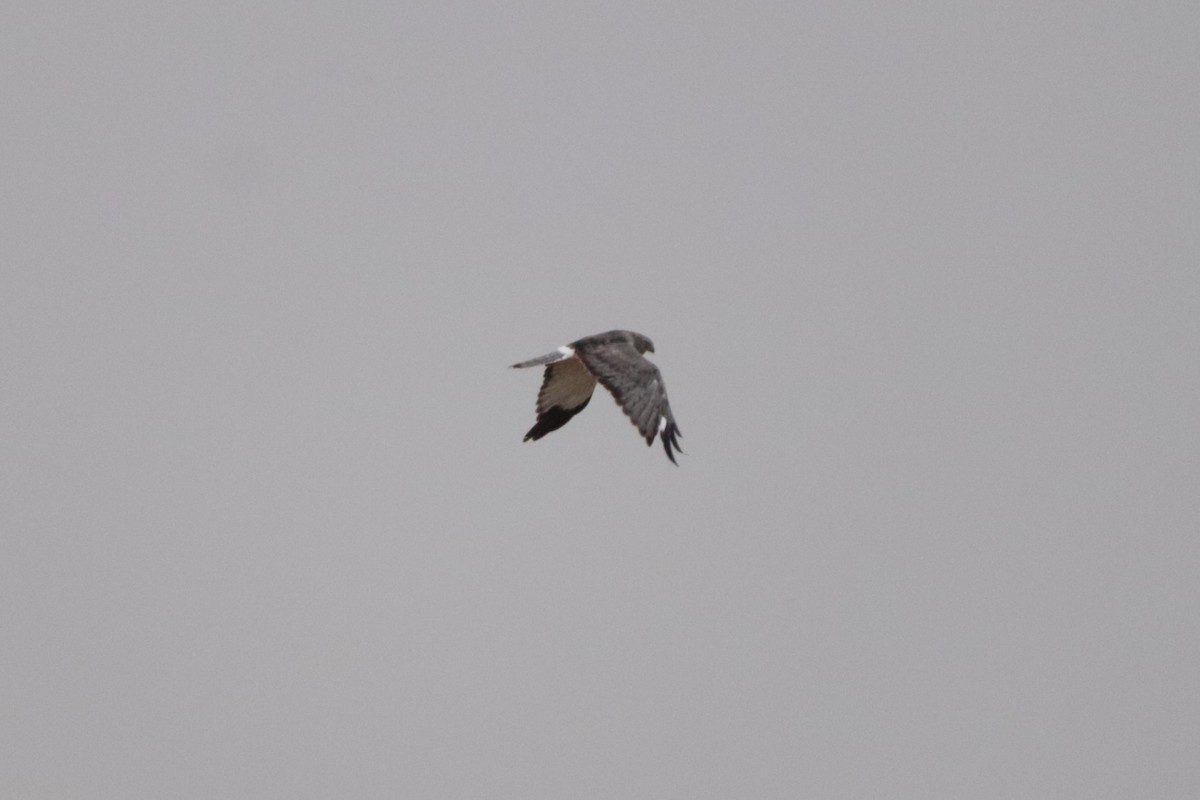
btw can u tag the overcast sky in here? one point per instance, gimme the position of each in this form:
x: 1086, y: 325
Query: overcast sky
x: 924, y: 282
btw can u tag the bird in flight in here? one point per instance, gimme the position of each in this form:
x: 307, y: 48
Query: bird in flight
x: 614, y: 359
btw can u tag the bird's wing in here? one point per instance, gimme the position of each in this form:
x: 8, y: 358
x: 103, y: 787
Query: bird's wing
x: 566, y: 384
x: 637, y: 386
x: 567, y: 387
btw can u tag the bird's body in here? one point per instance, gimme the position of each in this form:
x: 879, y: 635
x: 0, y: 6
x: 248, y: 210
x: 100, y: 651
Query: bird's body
x: 614, y: 359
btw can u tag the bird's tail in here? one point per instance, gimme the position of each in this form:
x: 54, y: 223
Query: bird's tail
x: 558, y: 355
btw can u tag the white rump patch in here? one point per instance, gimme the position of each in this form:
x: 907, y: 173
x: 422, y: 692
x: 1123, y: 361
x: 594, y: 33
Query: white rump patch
x: 566, y: 351
x: 662, y: 424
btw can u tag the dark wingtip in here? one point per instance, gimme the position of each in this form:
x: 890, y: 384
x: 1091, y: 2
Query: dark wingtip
x: 669, y: 440
x: 552, y: 419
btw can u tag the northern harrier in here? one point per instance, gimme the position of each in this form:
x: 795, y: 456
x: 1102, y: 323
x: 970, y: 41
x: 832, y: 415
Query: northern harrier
x: 615, y: 360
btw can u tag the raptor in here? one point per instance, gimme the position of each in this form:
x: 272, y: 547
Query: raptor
x: 614, y: 359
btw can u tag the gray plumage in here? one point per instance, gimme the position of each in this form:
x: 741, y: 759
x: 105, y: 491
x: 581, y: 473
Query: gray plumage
x: 615, y: 360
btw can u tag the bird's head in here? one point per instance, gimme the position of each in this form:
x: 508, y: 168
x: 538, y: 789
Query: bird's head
x: 642, y: 343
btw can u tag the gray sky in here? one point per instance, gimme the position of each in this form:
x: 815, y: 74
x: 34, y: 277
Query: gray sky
x: 923, y: 280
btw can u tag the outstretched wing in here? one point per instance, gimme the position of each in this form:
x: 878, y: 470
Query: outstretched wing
x: 637, y: 386
x: 567, y: 388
